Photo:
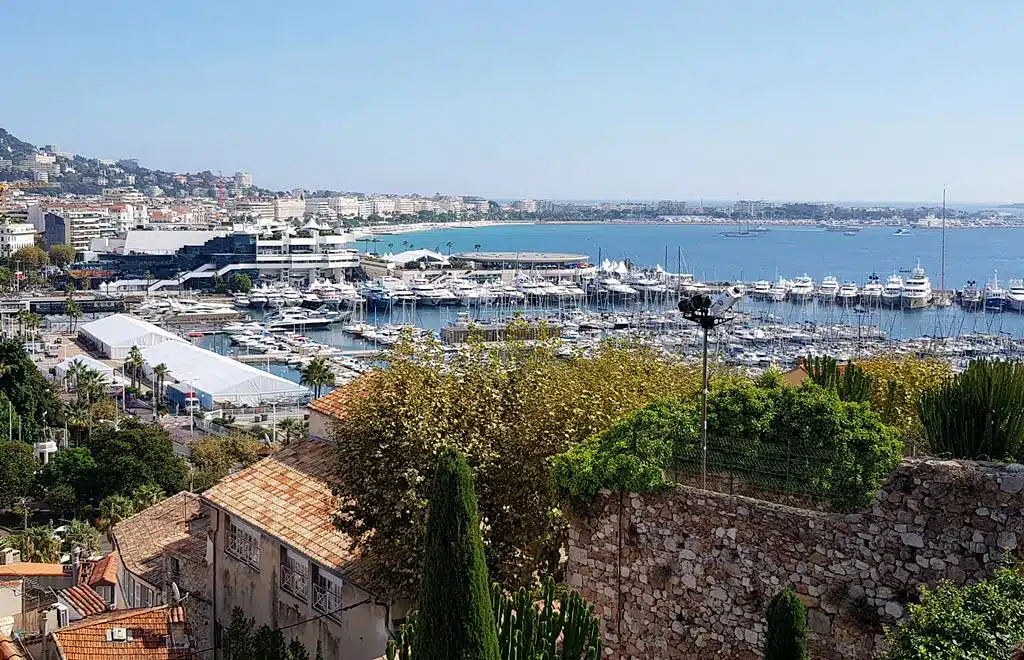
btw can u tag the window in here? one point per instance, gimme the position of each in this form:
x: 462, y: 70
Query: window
x: 173, y: 568
x: 327, y: 592
x: 243, y: 543
x: 294, y: 574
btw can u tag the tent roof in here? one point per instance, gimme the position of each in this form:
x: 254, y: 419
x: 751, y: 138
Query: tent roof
x: 124, y: 330
x: 87, y: 361
x: 223, y: 378
x: 165, y: 241
x: 417, y: 255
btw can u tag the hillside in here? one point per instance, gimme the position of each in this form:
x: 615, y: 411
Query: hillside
x: 89, y: 176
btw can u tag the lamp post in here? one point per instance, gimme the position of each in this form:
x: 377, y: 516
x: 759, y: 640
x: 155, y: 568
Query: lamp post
x: 708, y: 313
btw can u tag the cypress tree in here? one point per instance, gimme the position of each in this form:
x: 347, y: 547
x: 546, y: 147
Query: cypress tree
x: 787, y: 627
x: 455, y: 621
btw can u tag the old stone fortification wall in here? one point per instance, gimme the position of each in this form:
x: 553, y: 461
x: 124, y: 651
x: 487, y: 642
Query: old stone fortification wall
x: 688, y: 573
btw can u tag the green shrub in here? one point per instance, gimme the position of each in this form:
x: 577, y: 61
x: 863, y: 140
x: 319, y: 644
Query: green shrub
x: 787, y: 628
x: 983, y: 620
x: 979, y: 414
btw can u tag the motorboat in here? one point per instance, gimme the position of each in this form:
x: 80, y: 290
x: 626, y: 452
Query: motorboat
x: 257, y: 300
x: 1015, y: 295
x: 917, y: 290
x: 847, y: 295
x: 780, y: 290
x: 871, y: 293
x: 995, y: 295
x: 387, y: 291
x: 892, y: 292
x: 903, y: 231
x: 761, y: 290
x: 802, y: 290
x: 288, y: 319
x: 971, y: 298
x: 240, y: 300
x: 828, y: 290
x: 428, y: 293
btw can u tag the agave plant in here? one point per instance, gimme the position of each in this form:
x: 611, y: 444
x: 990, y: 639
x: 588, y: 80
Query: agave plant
x: 979, y: 414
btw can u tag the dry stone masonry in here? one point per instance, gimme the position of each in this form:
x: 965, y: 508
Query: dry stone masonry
x: 688, y: 573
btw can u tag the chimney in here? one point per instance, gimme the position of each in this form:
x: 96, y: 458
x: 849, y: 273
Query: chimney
x: 9, y: 556
x: 76, y: 565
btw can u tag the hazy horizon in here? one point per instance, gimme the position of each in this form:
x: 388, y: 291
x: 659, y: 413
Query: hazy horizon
x: 572, y: 100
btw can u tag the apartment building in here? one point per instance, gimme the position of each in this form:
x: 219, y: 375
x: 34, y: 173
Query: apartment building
x: 123, y: 196
x: 384, y: 206
x: 260, y: 211
x: 345, y: 207
x: 287, y: 208
x: 277, y: 555
x: 77, y: 226
x: 525, y: 205
x: 16, y: 235
x: 319, y: 205
x: 405, y: 206
x: 364, y: 208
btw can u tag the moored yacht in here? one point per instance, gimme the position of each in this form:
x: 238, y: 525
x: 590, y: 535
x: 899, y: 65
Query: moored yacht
x: 892, y: 292
x: 802, y: 289
x: 385, y: 291
x: 871, y: 294
x: 779, y: 290
x: 1015, y: 295
x: 828, y: 290
x: 995, y: 295
x: 917, y: 290
x: 428, y: 293
x: 847, y: 293
x: 761, y: 290
x: 971, y: 298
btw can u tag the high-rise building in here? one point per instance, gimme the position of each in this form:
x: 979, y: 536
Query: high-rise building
x: 384, y: 206
x: 405, y: 206
x: 77, y: 226
x: 346, y: 207
x: 243, y: 180
x: 525, y: 205
x: 286, y: 208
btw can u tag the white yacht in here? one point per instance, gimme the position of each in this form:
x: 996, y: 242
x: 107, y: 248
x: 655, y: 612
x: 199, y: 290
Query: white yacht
x: 802, y: 290
x: 779, y: 290
x: 299, y: 318
x: 847, y: 295
x: 871, y: 294
x: 613, y: 287
x: 575, y: 292
x: 386, y: 291
x: 428, y: 293
x: 917, y: 290
x: 828, y: 290
x: 761, y: 290
x: 892, y: 292
x: 240, y: 300
x: 1015, y: 295
x: 995, y: 295
x: 647, y: 285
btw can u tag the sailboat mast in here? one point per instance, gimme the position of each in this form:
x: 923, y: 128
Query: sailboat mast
x: 942, y: 268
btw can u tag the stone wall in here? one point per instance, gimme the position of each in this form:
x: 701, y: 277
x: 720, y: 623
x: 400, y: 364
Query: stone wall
x: 688, y: 573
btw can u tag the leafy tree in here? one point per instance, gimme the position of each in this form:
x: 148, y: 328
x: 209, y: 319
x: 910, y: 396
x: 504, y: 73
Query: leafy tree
x: 897, y: 386
x: 33, y: 396
x: 212, y: 457
x: 82, y: 535
x: 317, y: 375
x: 982, y: 620
x: 507, y: 409
x: 36, y: 544
x: 135, y: 454
x: 455, y: 620
x: 62, y: 255
x: 239, y: 635
x: 30, y: 257
x: 787, y: 627
x: 246, y: 642
x: 70, y: 471
x: 76, y: 413
x: 240, y: 283
x: 17, y: 470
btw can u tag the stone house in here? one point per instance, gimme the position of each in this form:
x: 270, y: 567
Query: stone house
x: 277, y: 555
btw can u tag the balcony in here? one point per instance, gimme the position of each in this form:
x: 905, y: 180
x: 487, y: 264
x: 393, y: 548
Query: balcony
x: 295, y: 579
x: 327, y: 599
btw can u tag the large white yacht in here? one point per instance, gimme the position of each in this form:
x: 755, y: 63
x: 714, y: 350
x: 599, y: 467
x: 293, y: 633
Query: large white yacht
x: 847, y: 295
x: 802, y: 290
x: 761, y: 290
x: 1015, y: 295
x: 779, y: 290
x: 871, y: 294
x: 386, y: 291
x: 892, y: 292
x: 828, y: 290
x: 428, y: 293
x: 917, y: 290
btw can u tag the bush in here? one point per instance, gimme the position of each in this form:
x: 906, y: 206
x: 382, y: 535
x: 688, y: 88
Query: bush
x: 787, y: 628
x: 983, y: 620
x: 799, y: 440
x: 979, y: 414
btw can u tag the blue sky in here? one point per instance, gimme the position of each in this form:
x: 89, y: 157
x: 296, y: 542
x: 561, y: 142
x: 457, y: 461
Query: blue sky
x: 861, y: 100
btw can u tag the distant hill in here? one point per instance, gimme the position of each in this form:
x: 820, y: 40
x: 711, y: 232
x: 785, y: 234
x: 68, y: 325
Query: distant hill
x: 82, y: 175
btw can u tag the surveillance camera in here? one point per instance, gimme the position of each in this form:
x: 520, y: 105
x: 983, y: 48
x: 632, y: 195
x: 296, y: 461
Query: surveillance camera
x: 724, y: 301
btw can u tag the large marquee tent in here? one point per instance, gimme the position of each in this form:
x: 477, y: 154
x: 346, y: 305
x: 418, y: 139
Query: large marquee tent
x: 113, y: 336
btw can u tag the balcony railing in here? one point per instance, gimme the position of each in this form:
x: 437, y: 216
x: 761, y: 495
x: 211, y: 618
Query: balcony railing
x: 294, y: 580
x: 327, y: 600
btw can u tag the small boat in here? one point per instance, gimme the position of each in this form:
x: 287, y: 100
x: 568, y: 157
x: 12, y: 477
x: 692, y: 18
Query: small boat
x: 971, y: 298
x: 902, y: 231
x: 195, y: 333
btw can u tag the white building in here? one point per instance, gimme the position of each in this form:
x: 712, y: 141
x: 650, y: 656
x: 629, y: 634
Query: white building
x: 405, y: 206
x: 384, y: 206
x: 525, y: 205
x: 16, y: 235
x: 243, y: 180
x: 365, y: 208
x: 303, y: 255
x: 76, y: 226
x: 286, y: 208
x: 123, y: 196
x: 260, y: 210
x: 345, y: 207
x: 318, y: 205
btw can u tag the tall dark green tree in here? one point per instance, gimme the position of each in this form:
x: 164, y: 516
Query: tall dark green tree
x: 787, y: 627
x: 455, y: 620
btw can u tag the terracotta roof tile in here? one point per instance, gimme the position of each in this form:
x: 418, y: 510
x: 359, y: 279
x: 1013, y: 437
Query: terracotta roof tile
x: 337, y: 402
x: 84, y: 599
x: 31, y: 569
x: 104, y: 572
x: 9, y: 650
x: 288, y: 497
x: 149, y: 627
x: 142, y: 539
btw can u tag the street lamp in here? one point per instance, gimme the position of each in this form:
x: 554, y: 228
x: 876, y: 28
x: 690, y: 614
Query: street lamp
x: 708, y: 313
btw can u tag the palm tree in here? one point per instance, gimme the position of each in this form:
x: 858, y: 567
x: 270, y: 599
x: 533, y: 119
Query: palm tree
x: 77, y: 416
x: 74, y: 312
x: 114, y: 509
x: 91, y: 386
x: 134, y: 364
x: 288, y: 426
x: 159, y: 374
x: 449, y: 244
x: 317, y: 374
x: 33, y: 322
x: 22, y: 317
x: 37, y: 544
x: 146, y: 496
x: 74, y: 372
x: 149, y: 281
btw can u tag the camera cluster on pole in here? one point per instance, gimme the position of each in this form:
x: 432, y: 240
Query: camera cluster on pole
x: 707, y: 313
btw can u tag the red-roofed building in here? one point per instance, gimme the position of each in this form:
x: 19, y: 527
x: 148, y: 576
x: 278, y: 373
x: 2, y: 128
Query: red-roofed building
x: 278, y: 556
x: 152, y: 633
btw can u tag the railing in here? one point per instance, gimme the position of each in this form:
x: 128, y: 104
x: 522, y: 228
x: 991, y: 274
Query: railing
x: 327, y: 600
x: 294, y: 580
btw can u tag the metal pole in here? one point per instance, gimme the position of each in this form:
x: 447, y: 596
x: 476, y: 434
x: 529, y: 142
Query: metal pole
x: 704, y: 418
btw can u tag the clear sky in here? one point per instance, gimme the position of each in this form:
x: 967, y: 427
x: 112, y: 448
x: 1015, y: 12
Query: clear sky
x: 819, y: 99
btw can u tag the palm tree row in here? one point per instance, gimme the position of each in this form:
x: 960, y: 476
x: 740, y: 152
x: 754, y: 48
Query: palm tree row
x: 133, y: 365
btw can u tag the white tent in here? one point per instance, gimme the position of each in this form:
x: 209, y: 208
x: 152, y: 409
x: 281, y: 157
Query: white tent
x: 219, y: 379
x: 61, y: 369
x: 114, y: 336
x: 412, y: 256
